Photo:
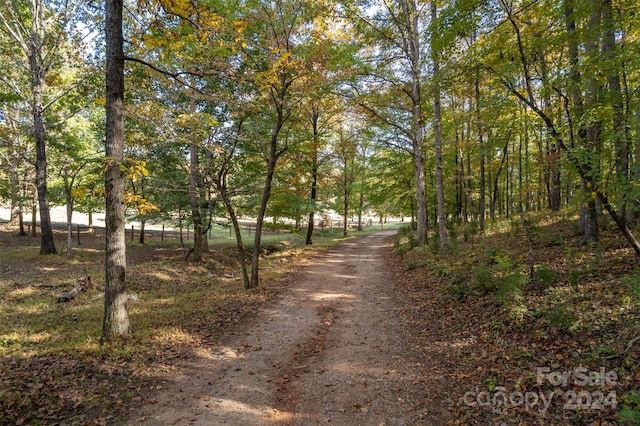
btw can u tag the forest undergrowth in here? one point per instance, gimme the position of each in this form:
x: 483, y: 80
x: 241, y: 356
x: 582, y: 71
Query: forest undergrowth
x: 561, y: 347
x: 53, y: 369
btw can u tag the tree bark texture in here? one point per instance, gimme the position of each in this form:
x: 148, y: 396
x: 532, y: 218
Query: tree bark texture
x: 437, y: 128
x: 38, y: 74
x: 116, y: 318
x: 411, y: 17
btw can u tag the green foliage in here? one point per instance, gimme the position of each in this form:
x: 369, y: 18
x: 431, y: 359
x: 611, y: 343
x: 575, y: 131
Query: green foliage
x: 575, y: 276
x: 545, y: 276
x: 469, y: 229
x: 458, y: 287
x: 483, y: 279
x: 434, y: 242
x: 443, y: 270
x: 502, y: 277
x: 559, y: 317
x: 510, y: 287
x: 555, y: 240
x: 631, y: 283
x: 412, y: 264
x: 630, y: 412
x: 405, y: 240
x: 490, y: 254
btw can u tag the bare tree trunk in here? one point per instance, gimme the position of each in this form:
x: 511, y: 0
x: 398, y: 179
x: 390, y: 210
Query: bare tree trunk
x: 21, y: 232
x: 142, y: 223
x: 47, y: 245
x: 34, y: 221
x: 360, y: 207
x: 411, y: 22
x: 593, y: 134
x: 221, y: 185
x: 38, y: 74
x: 482, y: 201
x: 68, y: 185
x: 314, y: 178
x: 619, y: 123
x: 314, y: 196
x: 116, y: 317
x: 266, y: 194
x: 345, y: 199
x: 437, y: 116
x: 272, y: 159
x: 193, y: 199
x: 193, y: 194
x: 16, y: 209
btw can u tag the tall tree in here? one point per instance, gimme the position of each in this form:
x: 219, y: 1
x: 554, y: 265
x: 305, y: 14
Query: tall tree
x: 273, y: 47
x: 29, y: 26
x: 397, y: 31
x: 116, y: 317
x: 437, y: 130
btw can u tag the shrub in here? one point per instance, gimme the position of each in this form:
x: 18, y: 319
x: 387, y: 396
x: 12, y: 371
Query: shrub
x: 630, y: 414
x: 576, y: 276
x: 632, y: 284
x: 490, y: 255
x: 559, y: 317
x: 555, y: 240
x: 545, y: 276
x: 458, y: 288
x: 405, y: 240
x: 509, y: 288
x: 412, y: 264
x: 483, y: 279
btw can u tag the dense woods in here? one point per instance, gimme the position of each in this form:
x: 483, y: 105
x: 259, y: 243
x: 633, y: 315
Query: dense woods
x: 456, y: 115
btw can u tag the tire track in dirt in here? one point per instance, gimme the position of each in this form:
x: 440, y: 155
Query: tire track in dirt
x: 330, y: 350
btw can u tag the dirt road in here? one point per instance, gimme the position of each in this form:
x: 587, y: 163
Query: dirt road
x: 329, y: 351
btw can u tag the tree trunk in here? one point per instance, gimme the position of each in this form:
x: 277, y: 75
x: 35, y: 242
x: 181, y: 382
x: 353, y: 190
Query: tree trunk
x: 38, y: 74
x: 314, y: 179
x: 21, y: 232
x: 222, y: 186
x: 266, y: 192
x: 142, y: 223
x: 14, y: 216
x: 47, y: 245
x: 314, y: 196
x: 360, y: 207
x: 437, y: 116
x: 68, y: 185
x: 345, y: 199
x: 622, y: 145
x: 193, y: 199
x: 116, y: 318
x: 593, y: 135
x: 411, y: 17
x: 482, y: 184
x: 193, y: 193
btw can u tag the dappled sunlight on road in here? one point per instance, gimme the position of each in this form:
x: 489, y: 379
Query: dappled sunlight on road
x: 331, y: 296
x: 320, y: 355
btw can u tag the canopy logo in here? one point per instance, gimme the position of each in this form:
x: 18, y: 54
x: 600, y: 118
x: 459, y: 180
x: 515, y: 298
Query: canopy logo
x: 500, y: 400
